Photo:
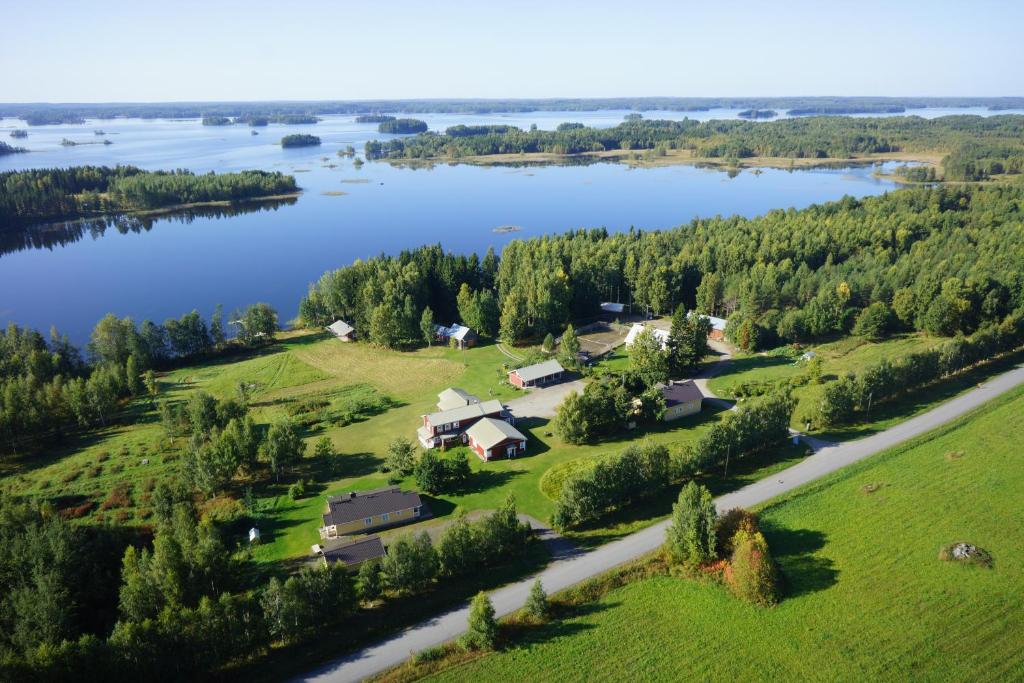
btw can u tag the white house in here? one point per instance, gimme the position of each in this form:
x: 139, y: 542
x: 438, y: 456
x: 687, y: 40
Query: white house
x: 634, y: 331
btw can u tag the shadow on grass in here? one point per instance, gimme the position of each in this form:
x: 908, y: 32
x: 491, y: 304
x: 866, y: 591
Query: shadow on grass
x: 803, y: 570
x: 482, y: 480
x: 522, y: 635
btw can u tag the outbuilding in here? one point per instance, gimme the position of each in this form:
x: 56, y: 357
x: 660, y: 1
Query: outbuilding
x: 537, y: 375
x: 352, y: 554
x: 342, y: 330
x: 681, y: 399
x: 490, y: 438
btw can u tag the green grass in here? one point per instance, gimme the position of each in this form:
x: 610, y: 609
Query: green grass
x: 866, y: 597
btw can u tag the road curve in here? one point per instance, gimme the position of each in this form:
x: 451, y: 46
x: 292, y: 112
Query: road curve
x: 565, y: 573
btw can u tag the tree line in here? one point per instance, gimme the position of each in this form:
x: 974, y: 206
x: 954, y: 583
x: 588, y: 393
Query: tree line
x: 976, y: 147
x: 82, y: 191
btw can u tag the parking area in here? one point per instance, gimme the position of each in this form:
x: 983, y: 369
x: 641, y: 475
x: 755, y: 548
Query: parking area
x: 544, y: 401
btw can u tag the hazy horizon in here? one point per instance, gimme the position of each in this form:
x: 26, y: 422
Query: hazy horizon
x: 115, y: 51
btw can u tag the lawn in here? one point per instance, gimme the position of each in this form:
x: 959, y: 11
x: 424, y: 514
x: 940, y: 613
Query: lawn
x: 866, y: 598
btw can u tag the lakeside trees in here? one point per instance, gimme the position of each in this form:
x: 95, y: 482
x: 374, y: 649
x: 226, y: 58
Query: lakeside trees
x: 299, y: 140
x: 402, y: 126
x: 62, y: 193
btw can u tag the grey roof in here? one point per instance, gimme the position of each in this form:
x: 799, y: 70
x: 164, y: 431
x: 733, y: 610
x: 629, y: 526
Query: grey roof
x: 460, y: 332
x: 468, y: 412
x: 534, y: 372
x: 680, y: 392
x: 611, y: 307
x: 489, y: 432
x: 355, y: 552
x: 341, y: 328
x: 352, y: 506
x: 455, y: 398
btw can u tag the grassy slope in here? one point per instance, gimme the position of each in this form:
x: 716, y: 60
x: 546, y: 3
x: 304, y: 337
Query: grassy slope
x: 867, y: 598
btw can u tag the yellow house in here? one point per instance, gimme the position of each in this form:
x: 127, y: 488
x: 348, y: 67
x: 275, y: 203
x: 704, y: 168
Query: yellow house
x: 681, y: 399
x: 356, y: 513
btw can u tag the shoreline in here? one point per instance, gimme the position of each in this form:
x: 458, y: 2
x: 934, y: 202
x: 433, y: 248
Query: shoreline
x: 646, y: 159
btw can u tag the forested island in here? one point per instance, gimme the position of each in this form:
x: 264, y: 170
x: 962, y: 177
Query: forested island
x: 34, y: 196
x: 258, y: 120
x: 758, y: 114
x: 971, y: 147
x: 41, y: 114
x: 402, y: 126
x: 300, y: 140
x: 374, y: 118
x: 216, y: 121
x: 19, y: 133
x: 10, y: 149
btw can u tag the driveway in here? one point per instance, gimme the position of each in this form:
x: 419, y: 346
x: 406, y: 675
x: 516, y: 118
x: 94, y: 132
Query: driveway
x: 543, y: 402
x: 565, y: 573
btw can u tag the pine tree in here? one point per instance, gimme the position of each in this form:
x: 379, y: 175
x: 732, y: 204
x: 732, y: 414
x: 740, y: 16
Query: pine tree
x: 483, y: 627
x: 537, y: 606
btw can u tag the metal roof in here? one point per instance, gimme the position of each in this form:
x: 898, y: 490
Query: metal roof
x: 467, y: 412
x: 680, y: 392
x: 489, y: 432
x: 355, y: 552
x: 352, y: 506
x: 341, y: 328
x: 534, y: 372
x: 455, y: 398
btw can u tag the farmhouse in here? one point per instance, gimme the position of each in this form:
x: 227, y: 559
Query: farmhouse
x: 634, y: 332
x: 351, y: 554
x: 455, y: 398
x: 354, y: 513
x: 681, y: 399
x: 490, y: 438
x: 463, y: 337
x: 446, y: 427
x: 539, y: 374
x: 342, y: 330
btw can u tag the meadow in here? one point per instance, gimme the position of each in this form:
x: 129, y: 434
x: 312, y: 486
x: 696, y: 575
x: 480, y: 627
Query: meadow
x: 866, y: 596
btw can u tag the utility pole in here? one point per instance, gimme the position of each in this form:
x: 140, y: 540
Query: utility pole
x: 727, y: 449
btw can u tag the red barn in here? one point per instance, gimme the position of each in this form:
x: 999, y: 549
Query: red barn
x: 537, y: 375
x: 490, y: 439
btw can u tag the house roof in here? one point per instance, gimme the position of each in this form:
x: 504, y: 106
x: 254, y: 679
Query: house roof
x: 534, y: 372
x: 352, y: 506
x: 489, y: 432
x: 637, y: 328
x: 455, y: 398
x: 341, y: 328
x: 456, y: 331
x: 680, y: 392
x: 466, y: 412
x: 609, y: 307
x: 355, y: 552
x: 716, y: 323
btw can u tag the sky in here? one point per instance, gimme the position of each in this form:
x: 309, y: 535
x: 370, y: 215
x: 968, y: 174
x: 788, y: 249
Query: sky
x: 186, y: 50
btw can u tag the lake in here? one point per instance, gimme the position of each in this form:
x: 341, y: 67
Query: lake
x: 166, y: 267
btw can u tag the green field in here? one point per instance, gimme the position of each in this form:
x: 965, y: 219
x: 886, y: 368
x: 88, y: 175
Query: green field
x: 866, y: 596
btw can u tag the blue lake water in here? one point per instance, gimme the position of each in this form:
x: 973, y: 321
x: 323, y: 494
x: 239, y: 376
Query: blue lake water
x: 175, y: 265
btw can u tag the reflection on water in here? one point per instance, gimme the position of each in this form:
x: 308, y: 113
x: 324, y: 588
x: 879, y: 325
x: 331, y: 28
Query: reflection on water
x: 63, y: 233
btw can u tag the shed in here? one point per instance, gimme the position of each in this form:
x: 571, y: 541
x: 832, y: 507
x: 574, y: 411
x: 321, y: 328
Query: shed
x: 342, y: 330
x: 254, y: 535
x: 539, y: 374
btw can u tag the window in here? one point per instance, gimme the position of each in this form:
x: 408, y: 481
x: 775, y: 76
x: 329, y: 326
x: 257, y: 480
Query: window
x: 368, y: 521
x: 455, y: 425
x: 416, y: 511
x: 384, y: 517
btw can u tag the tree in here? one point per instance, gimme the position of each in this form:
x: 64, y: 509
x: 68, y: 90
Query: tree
x: 687, y: 341
x: 549, y: 343
x: 513, y: 318
x: 411, y: 563
x: 152, y: 385
x: 709, y: 293
x: 324, y: 447
x: 569, y: 350
x: 427, y: 325
x: 217, y: 335
x: 874, y: 321
x: 401, y: 457
x: 571, y: 419
x: 370, y: 581
x: 691, y: 536
x: 647, y: 359
x: 537, y: 606
x: 131, y: 373
x: 752, y: 572
x: 283, y: 447
x: 257, y: 323
x: 458, y: 549
x: 483, y: 627
x: 386, y: 326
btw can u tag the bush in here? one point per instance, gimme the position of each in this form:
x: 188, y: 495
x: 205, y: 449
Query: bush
x: 370, y: 581
x: 324, y: 447
x: 436, y: 474
x: 224, y: 510
x: 297, y: 490
x: 119, y: 497
x: 483, y: 627
x: 752, y: 574
x: 537, y: 607
x: 729, y: 524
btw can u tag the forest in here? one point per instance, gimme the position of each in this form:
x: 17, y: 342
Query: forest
x: 43, y: 114
x: 9, y: 149
x: 976, y: 147
x: 943, y: 260
x: 65, y: 193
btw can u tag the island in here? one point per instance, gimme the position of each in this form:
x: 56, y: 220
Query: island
x: 758, y: 114
x: 10, y: 149
x: 39, y: 195
x: 374, y: 118
x: 300, y: 140
x: 19, y: 133
x: 402, y: 126
x: 217, y: 121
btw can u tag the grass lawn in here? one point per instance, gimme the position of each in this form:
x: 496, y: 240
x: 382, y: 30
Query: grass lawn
x: 866, y: 598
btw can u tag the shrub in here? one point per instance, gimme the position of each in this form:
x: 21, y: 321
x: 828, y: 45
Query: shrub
x: 77, y: 511
x: 537, y: 606
x: 752, y: 574
x: 483, y: 627
x: 324, y: 447
x: 119, y: 497
x: 69, y: 477
x: 122, y: 516
x: 431, y: 654
x: 297, y: 490
x: 224, y: 510
x: 370, y: 581
x: 729, y: 524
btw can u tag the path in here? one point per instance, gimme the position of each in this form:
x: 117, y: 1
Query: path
x: 569, y: 572
x: 501, y: 347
